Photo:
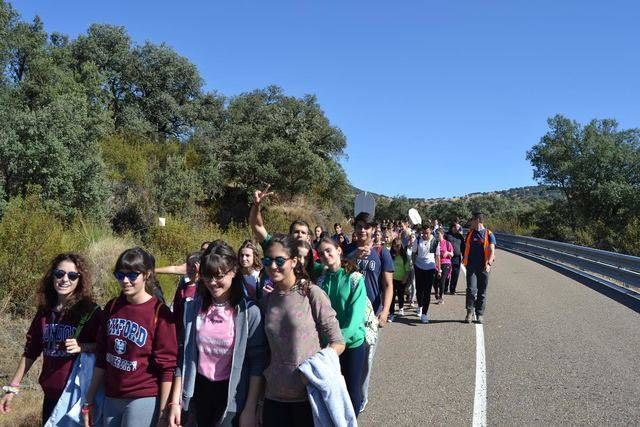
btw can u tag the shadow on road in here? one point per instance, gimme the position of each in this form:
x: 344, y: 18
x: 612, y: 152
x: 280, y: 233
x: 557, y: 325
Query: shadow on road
x: 416, y: 321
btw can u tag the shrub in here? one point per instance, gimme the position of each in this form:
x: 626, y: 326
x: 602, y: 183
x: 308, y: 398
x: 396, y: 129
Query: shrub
x: 630, y: 239
x: 31, y: 237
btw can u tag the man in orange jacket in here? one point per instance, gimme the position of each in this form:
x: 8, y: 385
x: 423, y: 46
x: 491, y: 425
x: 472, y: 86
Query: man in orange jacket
x: 479, y: 255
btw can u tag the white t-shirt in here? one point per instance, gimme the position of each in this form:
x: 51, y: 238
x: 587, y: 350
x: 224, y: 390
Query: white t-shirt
x: 425, y: 260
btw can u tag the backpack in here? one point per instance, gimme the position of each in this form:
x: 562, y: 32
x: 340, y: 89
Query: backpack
x: 370, y: 318
x: 432, y: 247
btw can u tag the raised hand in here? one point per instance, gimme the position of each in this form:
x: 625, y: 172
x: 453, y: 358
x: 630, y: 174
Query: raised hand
x: 259, y: 196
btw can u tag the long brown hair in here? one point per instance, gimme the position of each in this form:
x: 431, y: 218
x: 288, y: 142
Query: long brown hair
x: 248, y: 244
x: 348, y: 265
x: 402, y: 253
x: 80, y: 301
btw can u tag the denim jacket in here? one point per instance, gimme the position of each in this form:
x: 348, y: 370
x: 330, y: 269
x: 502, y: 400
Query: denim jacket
x: 249, y: 355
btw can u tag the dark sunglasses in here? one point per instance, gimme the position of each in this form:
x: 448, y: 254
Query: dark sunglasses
x: 280, y: 261
x: 120, y: 275
x: 217, y: 277
x: 72, y: 275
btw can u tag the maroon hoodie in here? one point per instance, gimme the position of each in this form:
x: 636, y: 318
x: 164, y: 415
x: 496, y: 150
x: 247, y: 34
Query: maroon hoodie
x: 46, y: 335
x: 137, y: 346
x: 185, y: 290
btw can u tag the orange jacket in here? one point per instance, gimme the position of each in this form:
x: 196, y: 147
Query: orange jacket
x: 486, y: 245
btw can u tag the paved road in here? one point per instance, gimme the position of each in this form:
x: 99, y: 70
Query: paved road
x: 557, y: 353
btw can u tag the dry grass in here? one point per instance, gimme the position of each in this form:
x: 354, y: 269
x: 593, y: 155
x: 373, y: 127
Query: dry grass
x: 102, y: 254
x: 27, y: 406
x: 26, y: 410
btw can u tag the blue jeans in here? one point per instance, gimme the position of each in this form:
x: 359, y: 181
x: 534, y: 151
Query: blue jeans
x: 370, y: 352
x: 352, y: 361
x: 477, y: 283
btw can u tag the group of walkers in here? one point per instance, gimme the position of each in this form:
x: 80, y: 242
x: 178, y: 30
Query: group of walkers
x: 283, y: 339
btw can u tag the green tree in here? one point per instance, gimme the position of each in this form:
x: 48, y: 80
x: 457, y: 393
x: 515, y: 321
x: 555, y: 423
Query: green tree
x: 167, y: 86
x: 176, y: 187
x: 597, y: 167
x: 272, y: 138
x: 49, y: 127
x: 109, y: 49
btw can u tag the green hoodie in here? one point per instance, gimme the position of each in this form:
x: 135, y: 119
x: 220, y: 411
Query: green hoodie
x: 349, y: 304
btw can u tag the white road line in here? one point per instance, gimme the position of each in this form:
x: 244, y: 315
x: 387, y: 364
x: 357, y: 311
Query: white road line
x: 480, y: 399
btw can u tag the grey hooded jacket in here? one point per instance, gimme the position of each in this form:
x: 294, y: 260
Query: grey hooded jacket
x: 249, y: 355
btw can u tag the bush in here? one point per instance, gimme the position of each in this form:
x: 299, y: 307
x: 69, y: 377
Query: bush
x: 630, y: 239
x: 278, y: 217
x: 31, y: 237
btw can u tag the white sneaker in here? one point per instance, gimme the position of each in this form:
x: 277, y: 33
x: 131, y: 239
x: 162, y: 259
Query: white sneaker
x: 401, y: 312
x: 424, y: 318
x: 419, y: 311
x: 390, y: 318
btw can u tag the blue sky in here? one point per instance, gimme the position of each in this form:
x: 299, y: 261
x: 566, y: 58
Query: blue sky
x: 436, y: 98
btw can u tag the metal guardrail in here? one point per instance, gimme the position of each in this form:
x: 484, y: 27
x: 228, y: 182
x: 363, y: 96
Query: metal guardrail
x: 619, y: 267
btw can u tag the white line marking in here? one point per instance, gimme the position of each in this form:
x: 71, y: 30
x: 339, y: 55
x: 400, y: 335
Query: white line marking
x: 480, y: 399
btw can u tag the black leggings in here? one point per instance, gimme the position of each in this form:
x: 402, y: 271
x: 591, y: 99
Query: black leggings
x: 210, y: 400
x: 442, y: 281
x: 455, y: 272
x: 286, y: 414
x: 398, y: 294
x: 425, y: 280
x: 48, y: 405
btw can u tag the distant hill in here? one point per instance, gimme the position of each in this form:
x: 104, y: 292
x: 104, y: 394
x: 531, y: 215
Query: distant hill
x: 528, y: 193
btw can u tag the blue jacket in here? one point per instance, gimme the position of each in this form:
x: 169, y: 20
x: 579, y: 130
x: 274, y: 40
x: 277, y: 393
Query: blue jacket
x: 249, y: 355
x: 327, y: 391
x: 67, y: 411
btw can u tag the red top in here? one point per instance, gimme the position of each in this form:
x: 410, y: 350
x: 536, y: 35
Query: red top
x: 46, y: 335
x: 137, y: 346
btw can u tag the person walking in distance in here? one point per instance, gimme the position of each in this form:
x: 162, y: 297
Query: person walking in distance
x: 445, y: 252
x: 425, y: 262
x: 457, y: 241
x: 479, y: 255
x: 401, y: 268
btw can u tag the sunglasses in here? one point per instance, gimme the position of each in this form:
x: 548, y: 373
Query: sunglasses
x: 215, y: 278
x: 72, y: 275
x: 120, y: 275
x: 280, y: 261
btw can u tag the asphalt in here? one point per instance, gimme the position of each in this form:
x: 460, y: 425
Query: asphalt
x: 557, y: 352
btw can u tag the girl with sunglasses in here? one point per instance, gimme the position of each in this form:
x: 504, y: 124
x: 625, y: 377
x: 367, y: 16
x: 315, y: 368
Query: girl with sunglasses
x: 223, y: 354
x: 297, y: 317
x: 346, y: 290
x: 65, y: 325
x: 137, y: 348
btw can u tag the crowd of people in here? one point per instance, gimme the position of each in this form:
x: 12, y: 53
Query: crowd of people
x: 281, y: 331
